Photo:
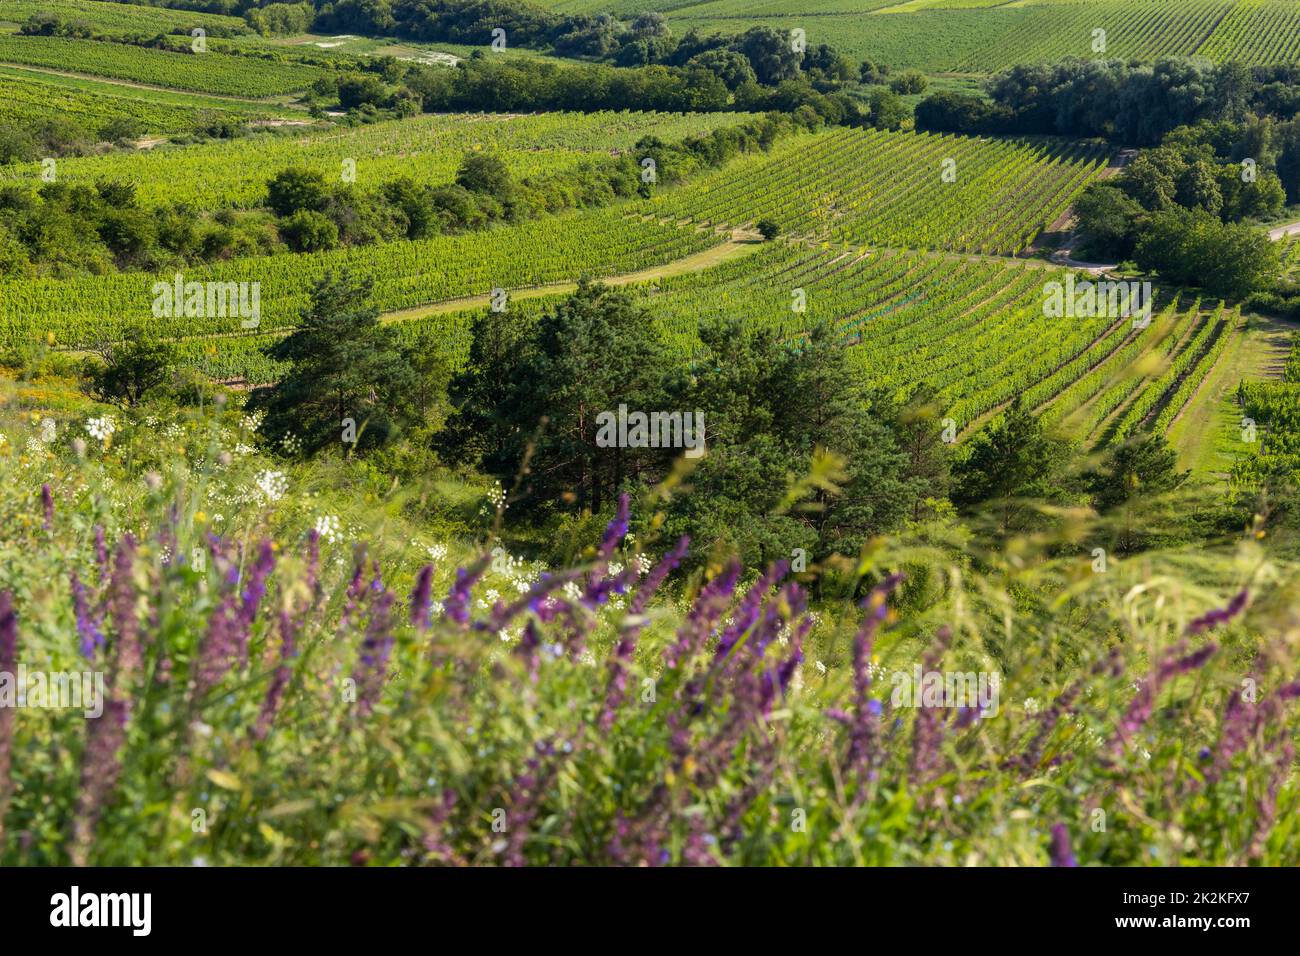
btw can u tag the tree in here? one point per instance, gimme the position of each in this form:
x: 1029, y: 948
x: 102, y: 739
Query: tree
x: 595, y: 351
x: 360, y: 89
x: 770, y: 53
x: 887, y: 110
x: 1198, y: 187
x: 769, y: 229
x: 296, y: 189
x: 485, y: 173
x: 1009, y: 462
x: 728, y: 65
x: 1108, y: 218
x: 131, y: 367
x: 1195, y: 248
x: 909, y: 82
x: 343, y: 364
x: 309, y: 231
x: 1152, y: 178
x: 1130, y: 477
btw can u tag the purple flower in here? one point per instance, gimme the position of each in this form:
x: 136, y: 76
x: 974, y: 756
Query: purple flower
x: 747, y: 613
x: 8, y: 665
x: 375, y: 648
x: 864, y: 735
x: 101, y: 765
x: 1219, y: 616
x: 88, y: 626
x: 121, y: 607
x: 703, y: 617
x: 1140, y: 708
x: 47, y: 505
x: 101, y: 553
x: 1060, y: 852
x: 280, y: 679
x: 458, y: 598
x: 667, y: 564
x: 421, y: 602
x: 252, y: 597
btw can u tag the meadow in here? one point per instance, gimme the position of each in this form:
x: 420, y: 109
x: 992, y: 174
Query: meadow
x: 282, y: 694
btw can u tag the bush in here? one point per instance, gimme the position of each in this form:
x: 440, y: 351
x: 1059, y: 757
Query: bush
x: 309, y: 231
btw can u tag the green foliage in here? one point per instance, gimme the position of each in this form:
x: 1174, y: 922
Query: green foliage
x: 1008, y: 463
x: 343, y: 366
x: 1193, y: 247
x: 130, y: 369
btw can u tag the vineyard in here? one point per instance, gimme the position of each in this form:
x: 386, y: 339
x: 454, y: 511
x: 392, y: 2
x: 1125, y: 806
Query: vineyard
x: 120, y: 18
x: 77, y: 312
x: 981, y: 37
x: 211, y: 72
x: 29, y: 97
x: 972, y: 331
x: 1271, y: 426
x: 427, y: 149
x: 962, y: 194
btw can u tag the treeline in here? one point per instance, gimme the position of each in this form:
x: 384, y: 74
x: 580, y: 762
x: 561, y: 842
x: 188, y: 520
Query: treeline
x: 315, y: 214
x: 72, y: 229
x: 1126, y: 103
x: 785, y: 448
x: 760, y: 54
x: 67, y: 229
x: 1184, y: 209
x: 522, y: 85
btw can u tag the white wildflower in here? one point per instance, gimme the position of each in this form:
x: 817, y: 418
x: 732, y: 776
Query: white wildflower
x: 327, y: 526
x: 272, y: 485
x: 101, y: 428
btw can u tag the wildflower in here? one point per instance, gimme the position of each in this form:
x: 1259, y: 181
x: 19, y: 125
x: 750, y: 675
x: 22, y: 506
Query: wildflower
x: 862, y: 739
x: 375, y: 648
x: 1219, y: 616
x: 47, y: 505
x: 88, y: 626
x: 251, y: 598
x: 8, y: 665
x: 272, y: 484
x: 121, y: 607
x: 420, y: 598
x: 101, y: 429
x: 1061, y: 854
x: 327, y: 527
x: 458, y: 597
x: 280, y: 679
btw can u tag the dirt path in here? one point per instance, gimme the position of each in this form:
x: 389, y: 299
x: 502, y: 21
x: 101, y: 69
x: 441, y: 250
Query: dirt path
x: 1281, y: 232
x: 712, y: 256
x: 1065, y: 225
